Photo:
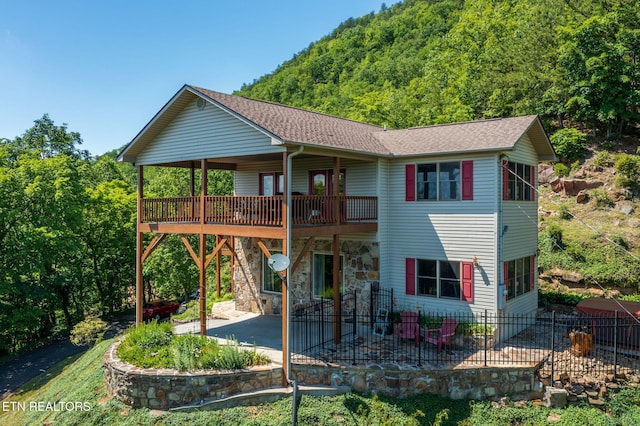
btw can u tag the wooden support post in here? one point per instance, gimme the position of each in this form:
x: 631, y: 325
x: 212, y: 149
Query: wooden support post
x: 337, y: 311
x: 337, y: 211
x: 139, y: 250
x: 203, y: 251
x: 218, y: 281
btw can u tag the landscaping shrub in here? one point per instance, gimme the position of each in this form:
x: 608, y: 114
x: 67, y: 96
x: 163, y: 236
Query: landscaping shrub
x: 560, y: 170
x: 570, y: 144
x: 603, y: 159
x: 554, y: 297
x: 187, y: 351
x: 88, y: 332
x: 153, y: 345
x: 565, y: 214
x: 601, y: 198
x: 628, y: 170
x: 555, y: 237
x: 147, y: 345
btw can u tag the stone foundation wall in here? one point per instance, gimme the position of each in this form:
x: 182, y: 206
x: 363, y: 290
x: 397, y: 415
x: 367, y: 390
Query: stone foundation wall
x: 361, y: 270
x: 165, y: 388
x: 477, y: 383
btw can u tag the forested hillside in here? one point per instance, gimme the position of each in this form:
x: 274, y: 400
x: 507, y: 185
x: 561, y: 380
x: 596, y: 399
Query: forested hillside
x: 425, y: 62
x: 67, y: 221
x: 573, y: 62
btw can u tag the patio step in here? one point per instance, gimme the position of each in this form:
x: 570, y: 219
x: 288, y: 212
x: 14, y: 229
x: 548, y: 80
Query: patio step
x: 261, y: 397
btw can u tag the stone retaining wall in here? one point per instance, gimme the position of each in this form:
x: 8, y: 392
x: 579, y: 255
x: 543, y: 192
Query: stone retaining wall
x: 166, y: 388
x: 394, y: 381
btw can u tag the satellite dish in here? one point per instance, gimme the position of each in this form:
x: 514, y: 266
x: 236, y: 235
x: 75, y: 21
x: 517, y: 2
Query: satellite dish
x: 278, y: 262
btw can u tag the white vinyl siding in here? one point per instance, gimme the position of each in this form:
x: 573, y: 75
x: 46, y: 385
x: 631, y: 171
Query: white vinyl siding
x: 521, y: 238
x: 207, y: 133
x: 445, y: 230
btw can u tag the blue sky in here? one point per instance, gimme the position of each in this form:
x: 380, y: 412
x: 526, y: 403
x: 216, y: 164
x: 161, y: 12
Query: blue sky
x: 106, y: 67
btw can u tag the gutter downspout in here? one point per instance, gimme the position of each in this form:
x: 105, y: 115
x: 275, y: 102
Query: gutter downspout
x: 288, y: 245
x: 502, y: 284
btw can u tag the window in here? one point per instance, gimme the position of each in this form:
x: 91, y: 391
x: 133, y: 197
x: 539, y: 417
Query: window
x: 271, y: 183
x: 321, y: 182
x: 439, y: 181
x: 519, y: 276
x: 271, y: 281
x: 323, y: 275
x: 439, y: 278
x: 518, y: 180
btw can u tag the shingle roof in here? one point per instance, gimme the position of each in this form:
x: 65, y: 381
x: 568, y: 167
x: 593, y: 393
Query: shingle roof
x: 484, y: 135
x: 298, y: 125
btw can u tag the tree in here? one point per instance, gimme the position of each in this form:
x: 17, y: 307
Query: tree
x: 598, y: 63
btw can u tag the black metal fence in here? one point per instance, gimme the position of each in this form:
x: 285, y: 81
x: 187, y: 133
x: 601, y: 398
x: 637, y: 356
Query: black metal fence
x: 562, y: 346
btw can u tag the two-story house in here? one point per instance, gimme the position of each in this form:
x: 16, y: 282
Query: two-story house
x: 445, y: 215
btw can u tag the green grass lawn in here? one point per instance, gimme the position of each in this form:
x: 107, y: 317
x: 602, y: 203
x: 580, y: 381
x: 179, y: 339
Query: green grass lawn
x: 74, y: 393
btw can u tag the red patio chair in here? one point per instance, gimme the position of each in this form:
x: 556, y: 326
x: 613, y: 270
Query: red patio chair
x: 408, y: 328
x: 442, y: 336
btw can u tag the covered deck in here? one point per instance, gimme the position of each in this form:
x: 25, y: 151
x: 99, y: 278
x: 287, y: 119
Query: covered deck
x: 238, y: 215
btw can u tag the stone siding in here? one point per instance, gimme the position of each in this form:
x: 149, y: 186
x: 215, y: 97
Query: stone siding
x: 166, y: 388
x: 393, y: 381
x: 361, y: 270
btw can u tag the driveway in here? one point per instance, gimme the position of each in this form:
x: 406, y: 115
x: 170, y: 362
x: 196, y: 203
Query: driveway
x: 16, y: 372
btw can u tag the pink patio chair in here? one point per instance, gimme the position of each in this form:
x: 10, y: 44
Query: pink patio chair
x: 442, y: 336
x: 408, y: 327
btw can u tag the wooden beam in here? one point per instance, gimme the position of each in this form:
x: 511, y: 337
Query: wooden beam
x: 303, y: 252
x: 139, y: 249
x: 203, y: 248
x: 337, y: 214
x: 192, y: 252
x: 274, y: 232
x: 271, y: 232
x: 215, y: 252
x: 218, y: 281
x: 203, y: 285
x: 155, y: 242
x: 263, y: 248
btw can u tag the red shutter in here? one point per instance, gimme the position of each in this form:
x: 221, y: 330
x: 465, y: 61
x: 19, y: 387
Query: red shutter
x: 505, y: 180
x: 467, y: 180
x: 532, y: 271
x: 505, y: 269
x: 410, y: 276
x: 534, y: 172
x: 410, y: 182
x: 467, y: 281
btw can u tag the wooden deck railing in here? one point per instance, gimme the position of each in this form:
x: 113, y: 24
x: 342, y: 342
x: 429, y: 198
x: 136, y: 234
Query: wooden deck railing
x: 260, y: 210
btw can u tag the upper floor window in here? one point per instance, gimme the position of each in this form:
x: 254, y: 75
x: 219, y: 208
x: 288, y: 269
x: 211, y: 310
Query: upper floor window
x: 321, y: 182
x: 518, y: 181
x: 439, y: 181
